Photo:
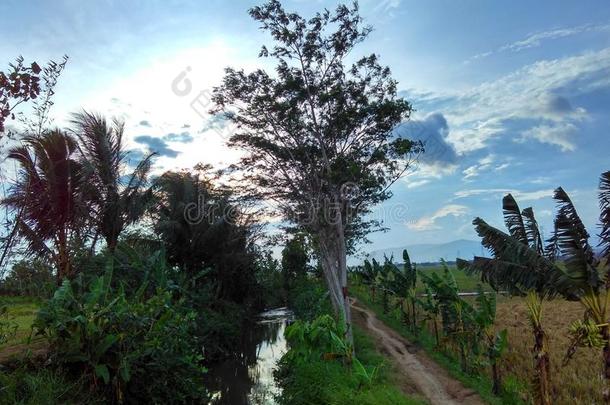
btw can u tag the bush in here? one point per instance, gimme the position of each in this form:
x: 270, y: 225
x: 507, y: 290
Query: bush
x: 132, y: 345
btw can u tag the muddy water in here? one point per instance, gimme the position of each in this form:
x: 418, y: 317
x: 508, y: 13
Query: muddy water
x: 247, y: 377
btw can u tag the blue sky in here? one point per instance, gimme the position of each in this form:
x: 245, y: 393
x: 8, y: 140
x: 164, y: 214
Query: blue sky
x: 511, y: 96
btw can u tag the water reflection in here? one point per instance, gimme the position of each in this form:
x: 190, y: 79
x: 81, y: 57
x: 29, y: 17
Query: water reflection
x: 247, y: 377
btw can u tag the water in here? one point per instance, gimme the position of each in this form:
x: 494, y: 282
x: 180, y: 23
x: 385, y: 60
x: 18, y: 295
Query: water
x: 247, y: 377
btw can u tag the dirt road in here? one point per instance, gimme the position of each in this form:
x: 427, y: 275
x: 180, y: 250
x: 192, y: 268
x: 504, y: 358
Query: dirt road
x: 422, y: 374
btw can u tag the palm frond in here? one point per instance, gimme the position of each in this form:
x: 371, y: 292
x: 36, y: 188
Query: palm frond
x: 532, y: 231
x: 515, y: 265
x: 604, y: 218
x: 513, y: 219
x: 572, y: 240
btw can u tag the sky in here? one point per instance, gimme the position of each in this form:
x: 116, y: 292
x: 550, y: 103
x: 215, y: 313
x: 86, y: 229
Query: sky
x: 509, y: 96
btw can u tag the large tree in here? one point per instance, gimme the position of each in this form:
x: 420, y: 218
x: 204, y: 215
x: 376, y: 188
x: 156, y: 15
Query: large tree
x: 319, y: 131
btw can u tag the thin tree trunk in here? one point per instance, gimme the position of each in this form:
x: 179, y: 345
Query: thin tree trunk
x: 542, y: 363
x: 606, y: 357
x: 497, y: 384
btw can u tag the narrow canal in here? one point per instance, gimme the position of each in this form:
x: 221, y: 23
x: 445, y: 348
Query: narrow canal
x: 247, y: 376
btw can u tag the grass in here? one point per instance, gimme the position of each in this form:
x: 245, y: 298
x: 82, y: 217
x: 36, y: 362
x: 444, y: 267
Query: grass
x: 43, y: 386
x: 467, y: 283
x: 330, y: 382
x: 21, y: 311
x: 481, y: 383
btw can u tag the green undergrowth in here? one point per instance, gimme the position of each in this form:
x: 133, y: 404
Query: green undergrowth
x: 479, y: 382
x: 307, y: 375
x: 27, y: 386
x: 321, y: 381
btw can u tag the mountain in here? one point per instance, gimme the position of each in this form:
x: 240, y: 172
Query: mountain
x: 430, y: 252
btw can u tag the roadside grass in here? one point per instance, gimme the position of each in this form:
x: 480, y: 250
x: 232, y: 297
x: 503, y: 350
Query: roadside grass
x: 330, y: 382
x: 513, y: 388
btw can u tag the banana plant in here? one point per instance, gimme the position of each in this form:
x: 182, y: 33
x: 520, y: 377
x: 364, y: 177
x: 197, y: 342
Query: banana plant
x: 496, y: 342
x: 520, y: 264
x: 404, y: 289
x: 431, y: 309
x: 583, y: 274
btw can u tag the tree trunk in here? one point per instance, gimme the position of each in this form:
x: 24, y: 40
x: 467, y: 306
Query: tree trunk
x: 606, y: 356
x: 334, y: 264
x: 497, y: 383
x: 542, y: 367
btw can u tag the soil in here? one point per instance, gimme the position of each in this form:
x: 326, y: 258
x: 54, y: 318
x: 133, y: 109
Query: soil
x: 418, y: 373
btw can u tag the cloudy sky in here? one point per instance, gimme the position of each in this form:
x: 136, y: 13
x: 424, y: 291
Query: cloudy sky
x: 510, y: 98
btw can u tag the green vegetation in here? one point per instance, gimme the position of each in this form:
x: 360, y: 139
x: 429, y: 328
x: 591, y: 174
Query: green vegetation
x: 425, y: 338
x: 320, y: 367
x: 320, y: 381
x: 126, y: 287
x: 566, y: 267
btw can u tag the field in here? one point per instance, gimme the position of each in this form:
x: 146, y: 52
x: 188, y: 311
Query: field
x: 466, y: 282
x: 580, y: 380
x: 21, y: 312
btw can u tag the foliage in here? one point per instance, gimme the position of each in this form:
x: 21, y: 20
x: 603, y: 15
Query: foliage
x: 320, y: 381
x: 32, y: 278
x: 48, y: 197
x: 295, y: 260
x: 28, y: 386
x: 115, y: 202
x: 201, y: 227
x: 131, y: 345
x: 20, y: 84
x: 318, y: 134
x: 308, y: 299
x: 8, y: 327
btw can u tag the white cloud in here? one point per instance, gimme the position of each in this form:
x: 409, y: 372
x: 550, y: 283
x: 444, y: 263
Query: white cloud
x: 429, y: 223
x: 417, y: 183
x: 530, y: 93
x: 536, y: 39
x: 484, y: 164
x: 500, y: 192
x: 560, y: 135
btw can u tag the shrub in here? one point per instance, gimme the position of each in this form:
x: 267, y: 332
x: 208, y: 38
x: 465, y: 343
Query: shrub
x: 132, y: 346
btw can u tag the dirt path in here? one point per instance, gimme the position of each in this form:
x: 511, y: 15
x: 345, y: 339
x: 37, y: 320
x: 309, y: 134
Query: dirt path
x: 424, y: 375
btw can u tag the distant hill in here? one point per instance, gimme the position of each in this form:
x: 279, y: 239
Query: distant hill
x: 430, y: 252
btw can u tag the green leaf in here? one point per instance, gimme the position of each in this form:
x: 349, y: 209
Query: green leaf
x: 102, y: 371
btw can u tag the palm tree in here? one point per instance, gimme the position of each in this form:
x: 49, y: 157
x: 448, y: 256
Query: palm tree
x: 48, y: 195
x: 116, y: 202
x: 520, y: 265
x: 202, y: 228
